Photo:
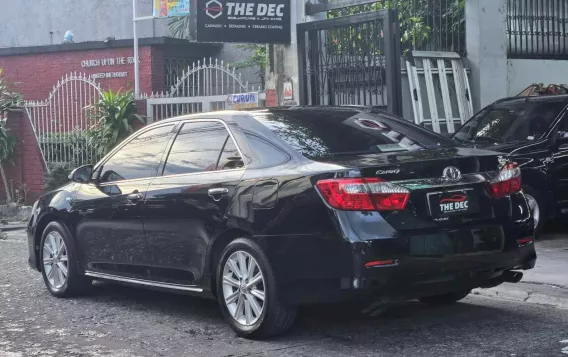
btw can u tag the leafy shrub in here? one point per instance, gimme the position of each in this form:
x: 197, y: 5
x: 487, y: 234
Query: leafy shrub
x: 57, y: 176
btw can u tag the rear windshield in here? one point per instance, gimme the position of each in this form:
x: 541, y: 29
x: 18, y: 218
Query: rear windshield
x: 320, y: 133
x: 510, y: 121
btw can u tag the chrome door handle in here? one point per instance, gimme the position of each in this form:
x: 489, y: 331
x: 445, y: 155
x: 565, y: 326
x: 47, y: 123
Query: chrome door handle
x: 217, y: 193
x: 134, y: 197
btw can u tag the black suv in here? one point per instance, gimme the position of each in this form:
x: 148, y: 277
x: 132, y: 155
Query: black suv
x: 534, y: 132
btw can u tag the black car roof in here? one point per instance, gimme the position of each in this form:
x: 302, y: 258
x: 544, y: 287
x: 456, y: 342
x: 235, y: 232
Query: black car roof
x: 539, y: 98
x: 227, y: 115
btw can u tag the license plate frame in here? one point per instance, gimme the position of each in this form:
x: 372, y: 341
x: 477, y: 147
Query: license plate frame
x: 456, y: 205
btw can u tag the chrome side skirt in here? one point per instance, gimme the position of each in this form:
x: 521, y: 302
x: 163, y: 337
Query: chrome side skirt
x: 143, y: 282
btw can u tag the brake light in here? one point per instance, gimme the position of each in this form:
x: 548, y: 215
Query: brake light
x: 363, y: 194
x: 507, y: 182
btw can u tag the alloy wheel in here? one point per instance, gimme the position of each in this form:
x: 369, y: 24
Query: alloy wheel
x: 243, y: 288
x: 55, y: 260
x: 534, y: 208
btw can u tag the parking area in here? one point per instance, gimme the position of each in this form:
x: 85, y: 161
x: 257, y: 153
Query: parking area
x: 120, y: 321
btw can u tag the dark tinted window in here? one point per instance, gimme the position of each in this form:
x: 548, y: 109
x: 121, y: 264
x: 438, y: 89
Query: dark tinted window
x: 511, y: 121
x: 230, y: 157
x: 268, y: 153
x: 139, y: 158
x: 198, y: 147
x: 316, y: 133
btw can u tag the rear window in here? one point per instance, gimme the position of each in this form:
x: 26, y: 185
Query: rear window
x: 319, y: 133
x: 510, y: 121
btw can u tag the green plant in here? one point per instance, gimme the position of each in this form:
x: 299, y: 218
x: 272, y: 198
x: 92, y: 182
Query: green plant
x: 179, y: 26
x: 8, y: 101
x: 113, y: 115
x: 258, y: 60
x: 419, y: 21
x: 57, y: 177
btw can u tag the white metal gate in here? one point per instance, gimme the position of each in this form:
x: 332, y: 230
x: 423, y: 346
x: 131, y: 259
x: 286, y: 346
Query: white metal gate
x: 203, y: 87
x: 440, y: 90
x: 61, y: 123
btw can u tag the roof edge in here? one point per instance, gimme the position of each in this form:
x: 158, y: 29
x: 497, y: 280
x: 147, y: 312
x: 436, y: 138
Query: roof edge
x: 99, y: 45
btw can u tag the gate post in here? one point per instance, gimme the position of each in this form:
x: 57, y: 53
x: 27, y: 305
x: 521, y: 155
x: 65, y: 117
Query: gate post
x: 392, y: 63
x: 486, y: 24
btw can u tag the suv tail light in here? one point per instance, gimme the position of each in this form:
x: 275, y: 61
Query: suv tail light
x: 363, y: 194
x: 507, y: 182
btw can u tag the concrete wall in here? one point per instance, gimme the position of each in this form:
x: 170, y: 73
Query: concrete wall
x: 521, y: 73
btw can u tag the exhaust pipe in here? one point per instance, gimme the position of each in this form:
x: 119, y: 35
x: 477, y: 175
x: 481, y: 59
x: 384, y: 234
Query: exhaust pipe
x: 512, y: 276
x: 507, y: 277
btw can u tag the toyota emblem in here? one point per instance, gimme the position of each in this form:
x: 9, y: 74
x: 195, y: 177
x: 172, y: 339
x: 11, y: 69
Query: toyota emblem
x: 451, y: 173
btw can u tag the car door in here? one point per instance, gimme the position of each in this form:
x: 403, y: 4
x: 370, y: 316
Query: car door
x: 109, y: 229
x: 187, y: 205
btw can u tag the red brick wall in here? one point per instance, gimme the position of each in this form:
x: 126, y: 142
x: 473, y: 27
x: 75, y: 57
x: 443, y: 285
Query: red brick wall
x: 35, y: 74
x: 26, y: 166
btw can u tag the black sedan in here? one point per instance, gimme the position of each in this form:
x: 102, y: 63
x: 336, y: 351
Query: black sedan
x: 272, y: 208
x: 533, y: 131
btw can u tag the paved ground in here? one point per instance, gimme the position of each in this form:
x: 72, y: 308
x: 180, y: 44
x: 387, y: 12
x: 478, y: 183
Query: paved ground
x: 118, y: 321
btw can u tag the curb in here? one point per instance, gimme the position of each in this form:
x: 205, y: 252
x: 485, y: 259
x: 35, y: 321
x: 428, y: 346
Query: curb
x: 528, y: 293
x: 12, y: 228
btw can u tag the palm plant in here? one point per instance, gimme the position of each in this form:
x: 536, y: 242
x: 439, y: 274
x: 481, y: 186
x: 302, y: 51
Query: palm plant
x: 179, y: 26
x: 7, y: 145
x: 8, y: 101
x: 113, y: 115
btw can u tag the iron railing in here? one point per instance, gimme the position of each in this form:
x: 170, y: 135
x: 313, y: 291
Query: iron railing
x: 425, y: 25
x: 537, y: 29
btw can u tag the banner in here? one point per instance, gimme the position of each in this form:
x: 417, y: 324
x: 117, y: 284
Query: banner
x: 245, y: 21
x: 243, y: 101
x: 170, y: 8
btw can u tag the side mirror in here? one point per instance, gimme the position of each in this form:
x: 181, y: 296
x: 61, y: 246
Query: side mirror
x: 81, y: 174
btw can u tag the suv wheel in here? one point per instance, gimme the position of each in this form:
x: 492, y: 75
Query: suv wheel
x: 247, y: 292
x: 57, y: 256
x: 445, y: 299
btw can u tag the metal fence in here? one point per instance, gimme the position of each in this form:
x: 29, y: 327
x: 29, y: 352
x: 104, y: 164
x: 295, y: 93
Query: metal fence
x: 537, y: 29
x: 425, y: 25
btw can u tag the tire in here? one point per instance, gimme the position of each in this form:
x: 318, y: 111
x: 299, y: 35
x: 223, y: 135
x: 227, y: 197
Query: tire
x: 72, y: 283
x: 445, y: 299
x: 273, y: 317
x: 534, y: 198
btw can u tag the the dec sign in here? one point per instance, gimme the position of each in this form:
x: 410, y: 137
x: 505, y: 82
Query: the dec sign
x: 243, y: 21
x: 252, y: 9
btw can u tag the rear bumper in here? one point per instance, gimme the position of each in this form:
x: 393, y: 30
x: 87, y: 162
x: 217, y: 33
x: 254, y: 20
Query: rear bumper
x: 325, y: 269
x: 411, y: 278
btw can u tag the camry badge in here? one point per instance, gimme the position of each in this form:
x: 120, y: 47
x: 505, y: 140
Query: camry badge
x: 451, y: 173
x: 386, y: 172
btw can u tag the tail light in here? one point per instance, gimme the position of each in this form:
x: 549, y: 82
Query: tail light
x: 363, y: 194
x: 507, y: 182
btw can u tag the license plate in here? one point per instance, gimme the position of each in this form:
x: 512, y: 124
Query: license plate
x: 451, y: 203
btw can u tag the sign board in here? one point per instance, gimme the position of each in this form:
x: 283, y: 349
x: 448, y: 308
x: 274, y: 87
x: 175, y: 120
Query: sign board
x: 248, y: 21
x: 288, y: 91
x: 243, y: 101
x: 171, y: 8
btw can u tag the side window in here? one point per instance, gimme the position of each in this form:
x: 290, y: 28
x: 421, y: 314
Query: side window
x: 230, y: 157
x: 269, y: 154
x: 199, y: 147
x: 139, y: 158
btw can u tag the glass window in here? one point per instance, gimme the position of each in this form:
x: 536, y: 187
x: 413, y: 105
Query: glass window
x: 230, y: 157
x: 199, y: 147
x: 139, y: 158
x: 268, y: 153
x: 327, y: 132
x: 510, y: 121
